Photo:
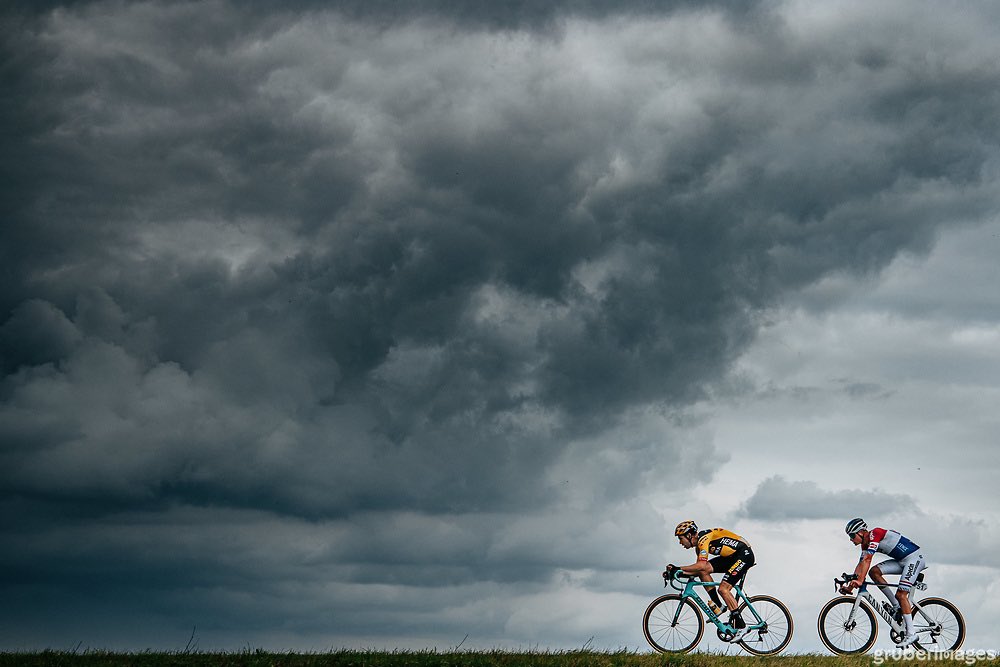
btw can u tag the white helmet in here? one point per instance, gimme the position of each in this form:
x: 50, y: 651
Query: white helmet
x: 855, y: 526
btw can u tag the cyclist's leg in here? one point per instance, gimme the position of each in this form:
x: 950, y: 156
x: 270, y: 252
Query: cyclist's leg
x: 735, y: 618
x: 735, y: 575
x: 724, y: 565
x: 713, y: 591
x: 719, y: 564
x: 878, y: 573
x: 912, y: 565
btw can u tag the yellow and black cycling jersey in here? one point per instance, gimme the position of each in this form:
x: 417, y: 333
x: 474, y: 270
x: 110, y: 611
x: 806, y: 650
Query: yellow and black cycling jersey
x: 719, y: 542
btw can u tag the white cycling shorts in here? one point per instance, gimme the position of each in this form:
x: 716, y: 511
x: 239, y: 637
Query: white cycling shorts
x: 908, y: 569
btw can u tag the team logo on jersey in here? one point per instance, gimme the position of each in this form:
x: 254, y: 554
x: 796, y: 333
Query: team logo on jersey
x: 737, y: 566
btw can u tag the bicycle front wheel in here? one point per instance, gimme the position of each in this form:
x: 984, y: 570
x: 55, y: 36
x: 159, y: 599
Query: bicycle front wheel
x: 672, y: 624
x: 939, y: 625
x: 777, y: 630
x: 843, y: 633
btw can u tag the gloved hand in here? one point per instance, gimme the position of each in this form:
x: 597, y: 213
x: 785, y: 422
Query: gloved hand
x: 668, y: 573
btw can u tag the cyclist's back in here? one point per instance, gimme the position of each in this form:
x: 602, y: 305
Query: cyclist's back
x: 890, y: 542
x: 719, y: 542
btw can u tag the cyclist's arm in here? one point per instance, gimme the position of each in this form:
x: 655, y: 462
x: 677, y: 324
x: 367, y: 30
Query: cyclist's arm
x: 861, y: 571
x: 699, y: 567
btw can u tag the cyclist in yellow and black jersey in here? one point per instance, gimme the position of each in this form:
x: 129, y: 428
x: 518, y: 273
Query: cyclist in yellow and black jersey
x: 719, y: 550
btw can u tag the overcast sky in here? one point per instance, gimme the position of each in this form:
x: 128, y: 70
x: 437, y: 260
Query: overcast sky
x: 333, y: 325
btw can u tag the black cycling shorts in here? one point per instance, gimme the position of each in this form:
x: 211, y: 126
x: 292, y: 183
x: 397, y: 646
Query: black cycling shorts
x: 735, y: 565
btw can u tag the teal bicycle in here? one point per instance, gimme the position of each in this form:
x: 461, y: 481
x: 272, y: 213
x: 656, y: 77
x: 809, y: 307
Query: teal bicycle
x: 673, y: 623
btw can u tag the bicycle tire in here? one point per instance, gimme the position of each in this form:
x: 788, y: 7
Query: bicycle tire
x: 843, y: 640
x: 948, y: 617
x: 779, y: 620
x: 662, y: 634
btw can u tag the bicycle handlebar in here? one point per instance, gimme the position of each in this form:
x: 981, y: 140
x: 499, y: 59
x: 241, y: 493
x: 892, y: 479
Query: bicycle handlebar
x: 679, y: 577
x: 844, y: 578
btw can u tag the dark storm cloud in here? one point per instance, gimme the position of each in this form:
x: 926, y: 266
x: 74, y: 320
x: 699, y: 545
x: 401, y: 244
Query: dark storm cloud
x: 511, y: 14
x: 356, y: 262
x: 377, y: 278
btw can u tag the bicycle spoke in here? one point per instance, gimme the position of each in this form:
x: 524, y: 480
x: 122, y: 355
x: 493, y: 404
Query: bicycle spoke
x: 846, y: 628
x: 674, y: 636
x: 938, y: 625
x: 770, y: 626
x: 667, y: 635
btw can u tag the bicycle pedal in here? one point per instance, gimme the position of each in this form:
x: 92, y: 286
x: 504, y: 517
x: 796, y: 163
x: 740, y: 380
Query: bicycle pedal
x: 739, y: 636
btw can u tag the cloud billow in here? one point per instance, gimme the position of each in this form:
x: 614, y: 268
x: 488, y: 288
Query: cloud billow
x: 540, y: 240
x: 778, y: 499
x: 324, y: 265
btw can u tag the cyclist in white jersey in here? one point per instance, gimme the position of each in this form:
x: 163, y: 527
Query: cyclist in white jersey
x: 904, y: 559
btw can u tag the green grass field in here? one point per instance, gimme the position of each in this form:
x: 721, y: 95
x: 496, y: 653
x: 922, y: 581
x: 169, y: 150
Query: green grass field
x: 261, y: 658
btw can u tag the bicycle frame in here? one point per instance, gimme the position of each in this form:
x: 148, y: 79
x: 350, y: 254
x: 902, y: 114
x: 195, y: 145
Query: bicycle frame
x: 689, y: 592
x: 878, y: 608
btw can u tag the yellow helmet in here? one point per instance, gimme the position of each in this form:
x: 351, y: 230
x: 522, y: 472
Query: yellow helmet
x: 685, y: 527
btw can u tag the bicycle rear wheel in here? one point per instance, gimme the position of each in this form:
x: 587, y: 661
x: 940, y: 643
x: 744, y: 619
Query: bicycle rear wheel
x: 939, y: 626
x: 841, y: 633
x: 672, y: 624
x: 776, y: 633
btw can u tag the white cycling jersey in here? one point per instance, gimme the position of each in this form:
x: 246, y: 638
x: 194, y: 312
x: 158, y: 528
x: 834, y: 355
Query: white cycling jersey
x: 890, y: 542
x: 904, y: 559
